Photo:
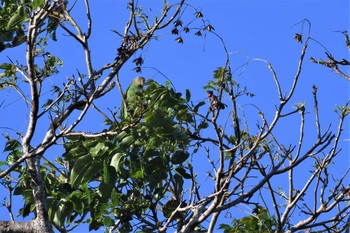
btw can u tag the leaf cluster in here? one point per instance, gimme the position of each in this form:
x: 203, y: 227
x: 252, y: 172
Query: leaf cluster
x: 120, y: 178
x: 259, y: 221
x: 13, y: 15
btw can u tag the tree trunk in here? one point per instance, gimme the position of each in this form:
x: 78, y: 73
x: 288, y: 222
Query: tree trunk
x: 41, y: 223
x: 33, y: 226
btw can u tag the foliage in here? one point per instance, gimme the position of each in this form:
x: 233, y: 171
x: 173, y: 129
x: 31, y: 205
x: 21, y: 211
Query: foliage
x: 259, y: 221
x: 140, y: 171
x: 131, y: 172
x: 13, y: 14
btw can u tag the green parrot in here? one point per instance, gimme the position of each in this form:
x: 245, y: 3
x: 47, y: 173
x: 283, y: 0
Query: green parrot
x: 132, y: 94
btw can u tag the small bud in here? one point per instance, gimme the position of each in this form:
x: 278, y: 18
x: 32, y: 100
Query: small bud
x: 209, y: 28
x: 198, y: 33
x: 137, y: 69
x: 179, y: 40
x: 138, y: 61
x: 199, y: 14
x: 175, y: 31
x: 298, y: 38
x: 178, y: 23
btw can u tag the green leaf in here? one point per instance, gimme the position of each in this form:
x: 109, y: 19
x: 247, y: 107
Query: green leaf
x: 300, y: 105
x: 19, y: 16
x: 121, y: 135
x: 2, y: 163
x: 219, y: 73
x: 182, y: 172
x: 188, y: 95
x: 58, y: 216
x: 48, y: 102
x: 98, y: 150
x: 179, y: 182
x: 73, y: 153
x: 11, y: 145
x: 107, y: 221
x: 203, y: 125
x: 94, y: 225
x: 169, y: 207
x: 13, y: 157
x: 117, y: 161
x: 106, y: 174
x: 76, y: 199
x: 115, y: 198
x: 127, y: 141
x: 84, y: 168
x: 179, y: 156
x: 343, y: 111
x: 90, y: 143
x: 92, y: 171
x: 200, y: 104
x: 109, y: 179
x: 138, y: 174
x: 226, y: 228
x: 9, y: 69
x: 22, y: 191
x: 167, y: 83
x: 37, y: 3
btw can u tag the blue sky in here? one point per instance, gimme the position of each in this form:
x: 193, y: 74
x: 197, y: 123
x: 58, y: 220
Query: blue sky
x: 250, y: 29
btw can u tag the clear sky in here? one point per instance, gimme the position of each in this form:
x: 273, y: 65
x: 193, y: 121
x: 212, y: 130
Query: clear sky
x: 250, y: 29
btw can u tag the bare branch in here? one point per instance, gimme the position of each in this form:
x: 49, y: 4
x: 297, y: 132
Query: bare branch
x: 88, y: 15
x: 314, y: 92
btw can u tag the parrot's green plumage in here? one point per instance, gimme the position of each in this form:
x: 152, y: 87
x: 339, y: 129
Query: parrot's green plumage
x: 132, y: 94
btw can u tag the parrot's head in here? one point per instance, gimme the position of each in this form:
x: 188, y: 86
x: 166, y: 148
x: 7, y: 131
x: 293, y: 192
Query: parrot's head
x: 139, y: 81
